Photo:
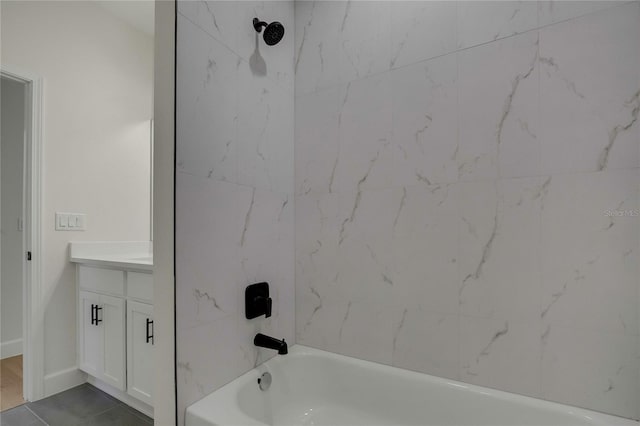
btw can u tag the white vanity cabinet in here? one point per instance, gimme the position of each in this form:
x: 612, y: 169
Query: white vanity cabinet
x: 102, y: 344
x: 140, y: 351
x: 115, y: 328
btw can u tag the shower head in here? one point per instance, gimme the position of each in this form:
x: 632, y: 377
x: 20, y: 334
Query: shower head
x: 273, y: 32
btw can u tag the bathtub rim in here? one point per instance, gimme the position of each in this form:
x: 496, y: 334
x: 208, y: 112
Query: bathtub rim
x: 225, y: 396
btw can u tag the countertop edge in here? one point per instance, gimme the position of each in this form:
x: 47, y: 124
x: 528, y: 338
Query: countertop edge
x: 120, y: 264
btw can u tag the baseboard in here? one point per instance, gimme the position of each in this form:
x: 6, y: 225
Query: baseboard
x: 122, y: 396
x: 62, y: 380
x: 10, y: 348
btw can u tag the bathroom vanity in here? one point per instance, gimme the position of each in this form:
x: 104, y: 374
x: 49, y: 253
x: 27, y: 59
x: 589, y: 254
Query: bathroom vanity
x: 115, y: 318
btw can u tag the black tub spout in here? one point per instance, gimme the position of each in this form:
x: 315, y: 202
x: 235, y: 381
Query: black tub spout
x: 269, y: 342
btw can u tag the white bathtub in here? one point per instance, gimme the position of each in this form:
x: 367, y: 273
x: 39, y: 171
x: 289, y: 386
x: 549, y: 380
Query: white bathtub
x: 313, y: 387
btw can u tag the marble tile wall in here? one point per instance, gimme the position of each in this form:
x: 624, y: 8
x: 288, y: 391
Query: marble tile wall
x: 234, y: 188
x: 454, y: 166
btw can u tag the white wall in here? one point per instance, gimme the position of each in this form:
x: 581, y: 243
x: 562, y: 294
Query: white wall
x: 454, y: 163
x: 12, y: 152
x: 234, y: 203
x: 98, y: 76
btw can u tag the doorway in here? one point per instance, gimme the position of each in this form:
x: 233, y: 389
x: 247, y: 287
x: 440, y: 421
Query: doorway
x: 12, y: 159
x: 21, y: 361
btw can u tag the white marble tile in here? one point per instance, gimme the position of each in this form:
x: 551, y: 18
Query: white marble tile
x: 595, y: 370
x: 234, y: 210
x: 366, y: 331
x: 267, y: 241
x: 317, y: 234
x: 421, y: 30
x: 316, y: 61
x: 498, y: 104
x: 589, y: 92
x: 266, y: 254
x: 218, y: 18
x: 499, y: 237
x: 317, y: 300
x: 229, y: 236
x: 552, y: 11
x: 265, y: 133
x: 589, y: 259
x: 206, y: 105
x: 344, y: 262
x: 425, y: 249
x: 501, y: 354
x: 320, y: 327
x: 209, y: 227
x: 366, y: 153
x: 484, y: 21
x: 364, y: 46
x: 424, y: 109
x: 512, y: 279
x: 365, y: 264
x: 206, y: 360
x: 316, y: 140
x: 425, y: 341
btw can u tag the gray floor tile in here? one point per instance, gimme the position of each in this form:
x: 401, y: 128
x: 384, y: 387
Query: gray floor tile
x: 19, y: 416
x: 73, y: 407
x: 139, y: 414
x: 121, y: 415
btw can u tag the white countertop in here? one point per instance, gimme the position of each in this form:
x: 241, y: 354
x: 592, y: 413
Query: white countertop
x: 119, y: 254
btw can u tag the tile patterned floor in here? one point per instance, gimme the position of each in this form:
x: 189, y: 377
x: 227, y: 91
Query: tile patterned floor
x: 83, y: 405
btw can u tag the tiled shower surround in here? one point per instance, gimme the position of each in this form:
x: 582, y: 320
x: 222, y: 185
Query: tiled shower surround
x: 466, y: 189
x: 234, y: 189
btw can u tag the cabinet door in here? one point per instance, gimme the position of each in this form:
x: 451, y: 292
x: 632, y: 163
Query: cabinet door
x: 111, y: 318
x: 140, y: 351
x: 90, y: 343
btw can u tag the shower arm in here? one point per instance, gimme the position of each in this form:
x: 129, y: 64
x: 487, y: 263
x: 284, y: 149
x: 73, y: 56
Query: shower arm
x: 258, y: 24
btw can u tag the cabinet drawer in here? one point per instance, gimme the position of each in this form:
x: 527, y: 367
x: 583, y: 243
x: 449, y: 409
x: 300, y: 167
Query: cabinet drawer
x: 140, y: 286
x: 102, y: 280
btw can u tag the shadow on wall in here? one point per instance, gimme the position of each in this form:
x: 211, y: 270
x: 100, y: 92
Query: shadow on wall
x: 256, y: 62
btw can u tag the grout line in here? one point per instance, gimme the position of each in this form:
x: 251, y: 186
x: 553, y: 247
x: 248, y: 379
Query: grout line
x: 457, y: 49
x: 137, y: 413
x: 245, y: 185
x: 483, y: 180
x: 125, y: 406
x: 93, y: 416
x: 37, y: 416
x: 100, y: 392
x: 280, y: 84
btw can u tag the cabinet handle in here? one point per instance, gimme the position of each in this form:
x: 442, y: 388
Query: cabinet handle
x: 93, y: 313
x: 149, y: 335
x: 98, y: 320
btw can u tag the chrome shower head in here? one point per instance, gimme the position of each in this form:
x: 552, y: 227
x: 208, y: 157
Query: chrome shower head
x: 273, y: 32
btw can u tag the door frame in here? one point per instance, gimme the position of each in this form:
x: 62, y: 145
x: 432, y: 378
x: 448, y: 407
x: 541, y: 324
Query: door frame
x: 33, y: 311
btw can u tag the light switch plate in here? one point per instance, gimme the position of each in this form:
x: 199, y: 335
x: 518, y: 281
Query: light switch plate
x: 71, y: 221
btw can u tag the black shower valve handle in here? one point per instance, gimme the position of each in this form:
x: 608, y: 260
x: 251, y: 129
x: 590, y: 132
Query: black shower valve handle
x: 265, y: 303
x: 257, y: 301
x: 267, y: 311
